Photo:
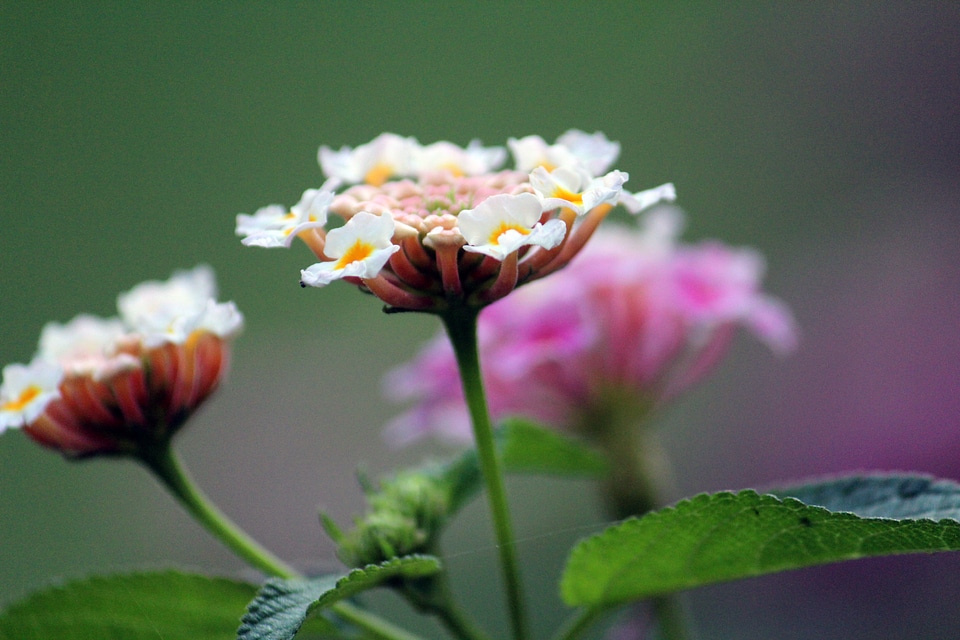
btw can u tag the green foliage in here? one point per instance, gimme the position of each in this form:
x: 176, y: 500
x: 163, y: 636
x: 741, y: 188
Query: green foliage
x: 528, y: 448
x: 525, y: 448
x: 407, y: 512
x: 727, y: 536
x: 882, y: 496
x: 282, y: 606
x: 141, y: 606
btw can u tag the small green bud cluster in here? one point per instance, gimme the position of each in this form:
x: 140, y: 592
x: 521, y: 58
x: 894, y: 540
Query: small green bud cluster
x: 405, y: 516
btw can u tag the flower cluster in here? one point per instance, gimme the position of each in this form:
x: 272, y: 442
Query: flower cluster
x: 117, y: 385
x: 429, y: 227
x: 635, y: 317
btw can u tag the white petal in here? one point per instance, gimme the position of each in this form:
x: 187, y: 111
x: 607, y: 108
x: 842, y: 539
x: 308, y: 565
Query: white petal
x: 594, y: 151
x: 365, y: 228
x: 267, y: 239
x: 508, y: 216
x: 323, y: 273
x: 222, y: 319
x: 637, y: 202
x: 479, y: 223
x: 387, y: 151
x: 168, y: 311
x: 269, y: 217
x: 26, y: 391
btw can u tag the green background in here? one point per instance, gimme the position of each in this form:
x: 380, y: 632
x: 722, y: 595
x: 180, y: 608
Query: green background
x: 825, y: 134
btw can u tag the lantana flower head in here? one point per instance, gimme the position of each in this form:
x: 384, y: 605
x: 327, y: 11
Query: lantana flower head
x: 125, y: 384
x: 431, y: 227
x: 636, y: 316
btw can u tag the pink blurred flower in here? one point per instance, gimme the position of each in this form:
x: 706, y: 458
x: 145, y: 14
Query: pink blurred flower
x: 635, y: 317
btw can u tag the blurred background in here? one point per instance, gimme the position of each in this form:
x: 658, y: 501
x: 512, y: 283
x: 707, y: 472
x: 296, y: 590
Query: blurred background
x: 825, y: 134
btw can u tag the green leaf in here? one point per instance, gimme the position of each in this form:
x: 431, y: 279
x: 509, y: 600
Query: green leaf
x: 141, y: 606
x: 525, y: 448
x: 882, y: 496
x: 727, y: 536
x: 528, y: 448
x: 282, y: 606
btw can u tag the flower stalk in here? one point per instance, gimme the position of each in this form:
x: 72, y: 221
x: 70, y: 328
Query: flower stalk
x: 461, y: 325
x: 640, y: 476
x: 432, y: 595
x: 166, y: 466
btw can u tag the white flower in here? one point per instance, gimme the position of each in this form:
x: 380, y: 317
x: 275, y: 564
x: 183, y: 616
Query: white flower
x: 593, y: 150
x: 531, y: 152
x: 168, y: 311
x: 637, y: 202
x: 274, y: 226
x: 87, y: 345
x: 594, y: 153
x: 26, y: 391
x: 575, y: 189
x: 222, y: 319
x: 374, y: 163
x: 264, y: 221
x: 359, y: 249
x: 503, y: 223
x: 474, y: 160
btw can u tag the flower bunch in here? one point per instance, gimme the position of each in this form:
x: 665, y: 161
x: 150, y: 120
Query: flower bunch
x: 121, y: 385
x: 636, y: 317
x: 430, y: 227
x: 629, y: 321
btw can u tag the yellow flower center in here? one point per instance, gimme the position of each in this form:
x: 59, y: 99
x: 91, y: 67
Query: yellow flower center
x: 503, y: 228
x: 311, y: 218
x: 379, y: 174
x: 26, y: 397
x: 454, y: 170
x: 359, y: 251
x: 569, y: 196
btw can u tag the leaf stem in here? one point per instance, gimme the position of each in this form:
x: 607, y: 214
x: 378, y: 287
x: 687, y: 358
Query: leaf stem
x: 166, y: 466
x: 461, y: 326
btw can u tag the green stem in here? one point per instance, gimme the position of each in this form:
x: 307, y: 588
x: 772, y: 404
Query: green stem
x: 640, y: 475
x: 432, y: 595
x: 376, y: 626
x: 579, y: 623
x: 458, y: 624
x: 672, y: 618
x: 461, y: 325
x: 166, y: 466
